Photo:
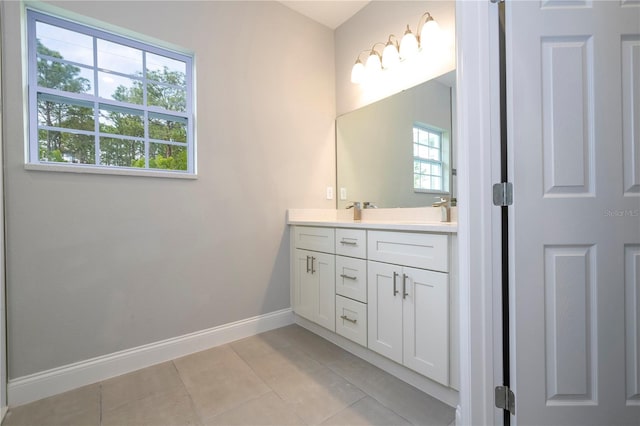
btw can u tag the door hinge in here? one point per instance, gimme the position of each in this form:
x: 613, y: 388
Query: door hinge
x: 503, y: 194
x: 505, y: 399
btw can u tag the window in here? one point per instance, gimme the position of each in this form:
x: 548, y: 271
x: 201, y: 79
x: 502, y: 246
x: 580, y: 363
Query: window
x: 429, y: 159
x: 98, y: 99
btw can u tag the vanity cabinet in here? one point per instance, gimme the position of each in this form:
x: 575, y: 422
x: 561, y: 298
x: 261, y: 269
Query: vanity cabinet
x: 388, y: 291
x: 408, y: 315
x: 314, y: 275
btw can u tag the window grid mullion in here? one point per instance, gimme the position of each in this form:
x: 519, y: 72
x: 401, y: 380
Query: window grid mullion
x: 146, y: 111
x: 96, y: 106
x: 91, y: 98
x: 34, y: 148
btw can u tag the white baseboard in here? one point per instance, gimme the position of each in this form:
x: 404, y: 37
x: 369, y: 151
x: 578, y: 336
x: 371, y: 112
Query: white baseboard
x: 447, y: 395
x: 61, y: 379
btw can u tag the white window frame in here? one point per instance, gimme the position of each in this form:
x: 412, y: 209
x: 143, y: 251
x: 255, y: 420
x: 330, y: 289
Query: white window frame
x: 442, y: 161
x: 33, y: 161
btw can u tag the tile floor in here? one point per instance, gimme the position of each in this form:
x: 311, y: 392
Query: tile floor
x: 286, y: 376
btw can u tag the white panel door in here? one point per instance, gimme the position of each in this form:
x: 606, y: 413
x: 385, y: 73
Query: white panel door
x: 384, y: 310
x: 323, y: 269
x: 305, y: 291
x: 426, y: 323
x: 573, y: 88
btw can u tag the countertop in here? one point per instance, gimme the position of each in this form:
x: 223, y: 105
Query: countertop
x: 417, y: 219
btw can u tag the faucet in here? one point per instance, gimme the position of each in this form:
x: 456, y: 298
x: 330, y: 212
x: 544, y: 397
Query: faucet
x: 368, y: 205
x: 357, y: 210
x: 445, y: 208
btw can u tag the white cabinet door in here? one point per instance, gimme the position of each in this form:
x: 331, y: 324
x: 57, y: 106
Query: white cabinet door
x: 305, y: 286
x: 323, y: 271
x: 385, y: 309
x: 426, y: 323
x: 314, y: 287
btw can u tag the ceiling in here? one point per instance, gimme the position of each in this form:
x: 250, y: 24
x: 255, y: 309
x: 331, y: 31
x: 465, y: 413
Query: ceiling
x: 330, y: 13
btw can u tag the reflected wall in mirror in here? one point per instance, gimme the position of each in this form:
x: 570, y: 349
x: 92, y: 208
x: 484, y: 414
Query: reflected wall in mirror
x: 398, y: 151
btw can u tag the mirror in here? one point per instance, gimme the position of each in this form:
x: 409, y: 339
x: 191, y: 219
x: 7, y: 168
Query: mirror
x: 398, y: 152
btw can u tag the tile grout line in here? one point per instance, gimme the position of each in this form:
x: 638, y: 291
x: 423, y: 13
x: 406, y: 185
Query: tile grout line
x: 100, y: 403
x: 275, y: 392
x: 258, y: 376
x: 194, y: 407
x: 370, y: 395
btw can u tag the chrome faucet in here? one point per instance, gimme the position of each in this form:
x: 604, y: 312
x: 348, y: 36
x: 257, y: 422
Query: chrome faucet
x: 357, y: 210
x: 445, y: 208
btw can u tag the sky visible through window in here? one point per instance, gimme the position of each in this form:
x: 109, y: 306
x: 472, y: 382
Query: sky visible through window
x: 78, y: 48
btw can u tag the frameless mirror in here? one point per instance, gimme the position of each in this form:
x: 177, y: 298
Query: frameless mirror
x: 398, y: 152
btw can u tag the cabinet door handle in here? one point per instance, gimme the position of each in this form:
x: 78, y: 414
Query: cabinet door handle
x: 349, y: 243
x: 404, y: 286
x: 395, y: 289
x: 348, y: 277
x: 346, y: 318
x: 313, y: 271
x: 307, y: 264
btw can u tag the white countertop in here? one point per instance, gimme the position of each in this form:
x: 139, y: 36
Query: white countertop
x: 415, y: 219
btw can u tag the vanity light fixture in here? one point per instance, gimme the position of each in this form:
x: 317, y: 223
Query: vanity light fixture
x: 372, y: 65
x: 391, y: 53
x: 394, y: 52
x: 409, y: 45
x: 374, y: 61
x: 430, y: 32
x: 357, y: 72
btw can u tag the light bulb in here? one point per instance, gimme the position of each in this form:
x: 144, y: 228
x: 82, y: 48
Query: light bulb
x: 430, y: 34
x: 390, y: 56
x: 357, y: 72
x: 373, y: 63
x: 409, y: 45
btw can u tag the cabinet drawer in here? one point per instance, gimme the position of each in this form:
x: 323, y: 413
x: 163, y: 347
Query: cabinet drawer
x: 351, y: 242
x: 351, y: 278
x: 351, y: 320
x: 426, y: 251
x: 314, y: 238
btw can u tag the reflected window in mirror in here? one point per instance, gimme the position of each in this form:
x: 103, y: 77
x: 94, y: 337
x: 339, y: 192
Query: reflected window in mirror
x: 430, y: 167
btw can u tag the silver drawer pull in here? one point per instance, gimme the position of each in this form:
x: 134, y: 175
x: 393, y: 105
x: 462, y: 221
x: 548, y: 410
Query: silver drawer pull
x: 349, y: 243
x: 404, y: 286
x: 395, y: 289
x: 346, y: 318
x: 348, y: 277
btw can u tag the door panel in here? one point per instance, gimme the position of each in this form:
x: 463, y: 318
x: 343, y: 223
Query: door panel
x: 306, y: 288
x: 573, y: 118
x: 632, y: 298
x: 384, y: 316
x: 631, y: 112
x: 323, y: 270
x: 569, y: 319
x: 426, y: 324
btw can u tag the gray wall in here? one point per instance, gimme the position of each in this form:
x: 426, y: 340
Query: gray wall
x: 97, y: 264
